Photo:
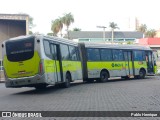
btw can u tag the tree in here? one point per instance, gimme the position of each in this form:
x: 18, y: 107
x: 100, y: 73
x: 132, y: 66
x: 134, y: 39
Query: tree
x: 31, y: 25
x: 76, y: 29
x: 150, y: 33
x: 113, y: 26
x: 142, y: 28
x: 67, y: 20
x: 57, y: 26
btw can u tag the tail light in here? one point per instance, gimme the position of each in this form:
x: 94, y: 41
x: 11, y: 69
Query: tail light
x: 40, y: 68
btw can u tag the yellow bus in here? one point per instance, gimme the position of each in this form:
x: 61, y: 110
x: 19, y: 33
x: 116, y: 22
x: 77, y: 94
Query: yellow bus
x: 38, y: 61
x: 102, y: 61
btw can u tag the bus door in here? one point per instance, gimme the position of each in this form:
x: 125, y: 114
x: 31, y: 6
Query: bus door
x: 149, y: 61
x: 56, y: 64
x: 128, y: 62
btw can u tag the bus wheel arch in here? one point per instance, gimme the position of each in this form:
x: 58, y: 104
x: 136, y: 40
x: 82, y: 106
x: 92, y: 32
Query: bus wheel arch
x: 142, y: 73
x: 104, y: 75
x: 68, y: 79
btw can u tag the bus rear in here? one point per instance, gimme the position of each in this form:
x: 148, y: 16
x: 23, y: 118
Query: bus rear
x: 21, y: 62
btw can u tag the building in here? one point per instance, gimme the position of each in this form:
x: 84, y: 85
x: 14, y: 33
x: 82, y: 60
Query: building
x: 98, y: 36
x: 157, y: 34
x: 153, y: 43
x: 13, y: 25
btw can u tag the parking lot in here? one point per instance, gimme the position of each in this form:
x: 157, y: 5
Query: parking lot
x: 115, y: 95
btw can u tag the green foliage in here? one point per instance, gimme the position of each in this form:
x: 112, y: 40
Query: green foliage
x: 57, y: 24
x: 30, y: 32
x: 31, y: 25
x: 150, y: 33
x: 142, y: 28
x: 129, y: 42
x: 67, y: 19
x: 50, y: 34
x: 113, y: 25
x: 76, y: 29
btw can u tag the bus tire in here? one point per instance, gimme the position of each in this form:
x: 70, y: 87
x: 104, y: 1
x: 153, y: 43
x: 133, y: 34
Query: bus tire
x: 67, y: 83
x: 104, y: 76
x: 142, y: 74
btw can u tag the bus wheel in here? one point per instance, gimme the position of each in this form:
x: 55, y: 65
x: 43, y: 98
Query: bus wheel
x: 104, y: 76
x: 142, y: 74
x: 67, y: 84
x: 40, y: 86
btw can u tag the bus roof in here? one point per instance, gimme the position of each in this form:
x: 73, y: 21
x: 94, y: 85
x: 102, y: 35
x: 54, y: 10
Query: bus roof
x: 87, y: 44
x: 60, y: 40
x: 117, y: 46
x: 52, y: 38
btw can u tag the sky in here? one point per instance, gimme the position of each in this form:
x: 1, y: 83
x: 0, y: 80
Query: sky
x: 88, y: 14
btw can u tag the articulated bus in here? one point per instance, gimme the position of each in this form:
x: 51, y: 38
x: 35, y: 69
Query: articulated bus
x: 102, y: 61
x: 38, y: 61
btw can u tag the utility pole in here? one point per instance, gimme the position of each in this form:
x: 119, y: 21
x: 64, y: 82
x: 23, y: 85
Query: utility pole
x: 103, y: 31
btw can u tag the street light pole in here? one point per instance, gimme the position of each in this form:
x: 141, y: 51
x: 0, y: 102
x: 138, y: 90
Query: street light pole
x: 103, y: 31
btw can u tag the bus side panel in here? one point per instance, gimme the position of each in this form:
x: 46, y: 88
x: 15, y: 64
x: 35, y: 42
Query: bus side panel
x: 116, y: 68
x: 52, y: 71
x: 138, y: 65
x: 74, y: 67
x: 22, y: 69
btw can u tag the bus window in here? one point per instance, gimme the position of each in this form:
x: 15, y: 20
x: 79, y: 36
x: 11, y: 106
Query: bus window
x: 106, y: 55
x: 93, y: 54
x: 47, y: 49
x: 20, y: 50
x: 73, y: 54
x: 64, y: 52
x: 78, y: 54
x: 117, y: 55
x: 54, y: 52
x: 139, y: 55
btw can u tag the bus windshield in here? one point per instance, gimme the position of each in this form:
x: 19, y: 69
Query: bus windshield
x: 20, y: 50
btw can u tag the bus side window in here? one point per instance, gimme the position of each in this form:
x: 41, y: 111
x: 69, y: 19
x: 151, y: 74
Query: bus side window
x: 73, y: 53
x: 93, y: 54
x: 47, y: 48
x: 106, y: 54
x: 138, y: 55
x: 118, y: 55
x: 54, y: 52
x: 78, y: 54
x: 65, y: 52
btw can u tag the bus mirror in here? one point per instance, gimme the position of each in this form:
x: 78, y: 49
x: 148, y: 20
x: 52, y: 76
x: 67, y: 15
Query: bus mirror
x: 2, y: 45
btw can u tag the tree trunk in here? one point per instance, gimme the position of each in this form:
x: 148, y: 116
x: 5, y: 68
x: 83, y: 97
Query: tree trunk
x: 67, y: 32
